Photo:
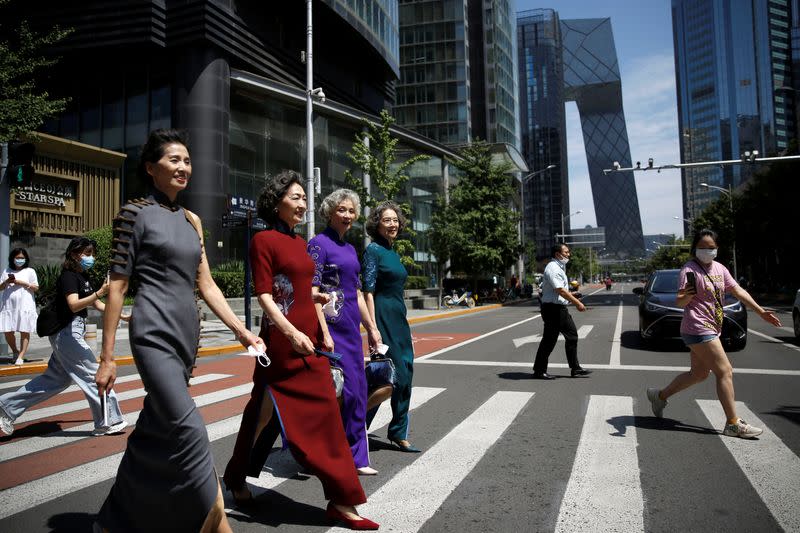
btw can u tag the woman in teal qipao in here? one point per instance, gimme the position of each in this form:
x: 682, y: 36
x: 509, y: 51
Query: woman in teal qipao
x: 384, y: 281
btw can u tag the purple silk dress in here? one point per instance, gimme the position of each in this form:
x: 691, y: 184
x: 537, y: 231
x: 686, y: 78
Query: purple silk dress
x: 337, y: 272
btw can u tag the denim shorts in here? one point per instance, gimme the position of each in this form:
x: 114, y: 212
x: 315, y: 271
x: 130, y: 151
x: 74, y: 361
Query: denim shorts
x: 697, y: 339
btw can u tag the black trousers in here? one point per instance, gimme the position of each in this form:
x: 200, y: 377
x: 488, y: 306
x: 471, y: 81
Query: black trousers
x: 556, y: 320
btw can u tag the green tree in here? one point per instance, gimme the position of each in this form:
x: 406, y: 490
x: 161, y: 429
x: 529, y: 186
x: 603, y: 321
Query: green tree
x: 23, y: 59
x: 375, y: 153
x: 674, y: 255
x: 477, y: 230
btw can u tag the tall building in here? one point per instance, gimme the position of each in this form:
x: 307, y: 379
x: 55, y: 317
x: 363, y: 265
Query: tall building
x: 457, y: 77
x: 575, y: 60
x: 235, y: 80
x: 733, y: 68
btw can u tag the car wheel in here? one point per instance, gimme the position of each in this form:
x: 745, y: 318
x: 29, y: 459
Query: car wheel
x: 737, y: 345
x: 796, y: 317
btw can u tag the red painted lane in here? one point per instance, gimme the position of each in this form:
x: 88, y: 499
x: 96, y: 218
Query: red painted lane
x: 425, y: 343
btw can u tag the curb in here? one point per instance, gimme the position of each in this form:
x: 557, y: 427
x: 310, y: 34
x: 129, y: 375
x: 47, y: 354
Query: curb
x: 208, y: 351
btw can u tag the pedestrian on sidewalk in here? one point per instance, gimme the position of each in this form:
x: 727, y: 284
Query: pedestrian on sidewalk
x: 336, y: 274
x: 384, y: 282
x: 608, y: 282
x: 555, y: 298
x: 72, y: 359
x: 166, y: 480
x: 702, y: 285
x: 297, y: 384
x: 18, y: 284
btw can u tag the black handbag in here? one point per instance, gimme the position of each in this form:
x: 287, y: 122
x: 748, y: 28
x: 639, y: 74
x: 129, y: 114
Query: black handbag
x: 47, y: 323
x: 380, y: 372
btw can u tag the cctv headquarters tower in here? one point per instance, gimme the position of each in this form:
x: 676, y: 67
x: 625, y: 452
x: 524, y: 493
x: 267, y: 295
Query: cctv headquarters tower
x: 574, y: 60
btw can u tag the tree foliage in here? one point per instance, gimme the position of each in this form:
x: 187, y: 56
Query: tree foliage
x: 674, y: 255
x: 375, y: 153
x: 477, y: 230
x: 23, y: 59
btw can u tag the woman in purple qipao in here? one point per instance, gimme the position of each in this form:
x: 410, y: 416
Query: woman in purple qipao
x: 337, y: 275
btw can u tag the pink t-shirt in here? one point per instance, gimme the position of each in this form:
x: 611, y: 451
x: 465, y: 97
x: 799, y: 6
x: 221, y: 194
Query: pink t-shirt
x: 703, y: 314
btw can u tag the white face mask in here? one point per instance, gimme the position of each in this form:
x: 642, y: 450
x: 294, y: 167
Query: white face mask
x: 705, y: 255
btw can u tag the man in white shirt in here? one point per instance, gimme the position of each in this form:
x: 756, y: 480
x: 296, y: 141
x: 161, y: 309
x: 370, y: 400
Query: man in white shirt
x: 555, y: 297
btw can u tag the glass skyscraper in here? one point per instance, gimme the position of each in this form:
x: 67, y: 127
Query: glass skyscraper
x: 457, y: 77
x: 575, y: 60
x: 733, y: 67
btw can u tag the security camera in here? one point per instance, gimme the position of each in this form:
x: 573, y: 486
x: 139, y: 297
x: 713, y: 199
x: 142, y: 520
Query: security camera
x: 616, y: 165
x: 650, y: 163
x: 639, y: 165
x: 319, y: 94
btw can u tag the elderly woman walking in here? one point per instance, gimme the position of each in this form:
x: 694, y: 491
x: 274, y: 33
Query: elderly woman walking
x: 337, y: 274
x: 384, y: 281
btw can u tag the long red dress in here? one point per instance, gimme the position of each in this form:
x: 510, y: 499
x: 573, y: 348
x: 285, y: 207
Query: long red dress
x: 300, y: 386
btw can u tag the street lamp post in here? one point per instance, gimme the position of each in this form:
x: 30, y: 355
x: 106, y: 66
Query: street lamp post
x: 563, y: 218
x: 729, y: 193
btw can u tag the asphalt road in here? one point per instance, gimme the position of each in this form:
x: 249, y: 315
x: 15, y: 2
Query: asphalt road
x: 502, y: 452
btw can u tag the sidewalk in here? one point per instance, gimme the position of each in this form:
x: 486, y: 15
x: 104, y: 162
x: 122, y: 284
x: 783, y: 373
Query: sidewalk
x: 215, y: 339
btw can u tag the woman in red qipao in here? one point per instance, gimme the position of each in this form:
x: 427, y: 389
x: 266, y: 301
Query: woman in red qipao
x: 297, y: 382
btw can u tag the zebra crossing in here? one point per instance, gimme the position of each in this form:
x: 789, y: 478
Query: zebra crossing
x: 603, y: 491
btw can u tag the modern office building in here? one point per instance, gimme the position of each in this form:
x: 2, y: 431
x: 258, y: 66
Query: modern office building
x: 457, y: 77
x: 235, y: 80
x: 574, y: 60
x: 733, y: 68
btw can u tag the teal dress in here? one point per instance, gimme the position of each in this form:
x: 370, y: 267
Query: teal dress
x: 385, y: 277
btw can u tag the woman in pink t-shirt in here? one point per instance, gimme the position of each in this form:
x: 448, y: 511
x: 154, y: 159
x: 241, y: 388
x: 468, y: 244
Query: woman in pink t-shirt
x: 702, y: 304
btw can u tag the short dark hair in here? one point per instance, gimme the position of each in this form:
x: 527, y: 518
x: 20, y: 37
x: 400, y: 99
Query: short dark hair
x: 699, y: 235
x: 272, y: 194
x: 153, y: 149
x: 557, y: 248
x: 376, y: 213
x: 14, y: 253
x: 77, y: 244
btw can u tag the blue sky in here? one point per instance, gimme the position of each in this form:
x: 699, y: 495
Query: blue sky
x: 643, y: 37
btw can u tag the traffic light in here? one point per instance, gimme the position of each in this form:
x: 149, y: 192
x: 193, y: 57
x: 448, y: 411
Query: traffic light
x: 19, y: 172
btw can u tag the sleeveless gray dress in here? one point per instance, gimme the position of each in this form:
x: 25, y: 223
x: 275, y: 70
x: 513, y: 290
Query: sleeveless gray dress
x: 166, y: 479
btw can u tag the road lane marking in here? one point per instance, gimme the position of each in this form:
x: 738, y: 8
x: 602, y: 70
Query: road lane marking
x: 655, y: 368
x: 583, y: 332
x: 72, y: 388
x: 22, y: 447
x: 411, y: 497
x: 604, y: 492
x: 773, y: 339
x: 616, y: 341
x: 474, y: 339
x: 69, y: 407
x: 770, y: 466
x: 283, y: 466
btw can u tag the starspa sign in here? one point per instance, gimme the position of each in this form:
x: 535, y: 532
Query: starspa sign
x: 48, y: 194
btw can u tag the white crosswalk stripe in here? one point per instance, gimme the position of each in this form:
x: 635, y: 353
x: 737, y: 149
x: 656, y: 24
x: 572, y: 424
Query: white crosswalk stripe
x: 14, y: 385
x: 770, y: 466
x: 604, y: 492
x: 409, y: 499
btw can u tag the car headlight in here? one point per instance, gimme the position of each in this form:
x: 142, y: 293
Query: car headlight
x: 654, y: 307
x: 734, y: 307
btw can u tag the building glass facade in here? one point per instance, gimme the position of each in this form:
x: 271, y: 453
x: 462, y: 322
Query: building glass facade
x: 735, y: 88
x: 575, y: 60
x: 543, y: 125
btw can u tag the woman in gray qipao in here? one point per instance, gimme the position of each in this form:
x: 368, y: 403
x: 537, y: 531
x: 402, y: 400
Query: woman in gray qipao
x: 166, y: 479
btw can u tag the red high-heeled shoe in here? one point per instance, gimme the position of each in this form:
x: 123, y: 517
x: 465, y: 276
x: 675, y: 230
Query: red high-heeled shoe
x: 365, y: 524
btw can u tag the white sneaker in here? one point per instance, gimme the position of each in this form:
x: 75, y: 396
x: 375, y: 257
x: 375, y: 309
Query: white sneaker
x: 6, y: 424
x: 656, y: 402
x: 114, y: 429
x: 742, y: 429
x: 19, y: 361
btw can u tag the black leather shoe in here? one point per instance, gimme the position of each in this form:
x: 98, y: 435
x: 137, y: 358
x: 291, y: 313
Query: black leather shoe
x: 542, y: 375
x: 580, y: 372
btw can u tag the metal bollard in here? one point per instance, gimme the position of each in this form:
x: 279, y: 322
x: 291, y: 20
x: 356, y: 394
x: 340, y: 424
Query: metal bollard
x: 91, y: 336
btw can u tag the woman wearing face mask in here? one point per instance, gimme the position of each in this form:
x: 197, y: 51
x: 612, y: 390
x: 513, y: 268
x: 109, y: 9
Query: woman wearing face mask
x: 337, y: 274
x: 702, y: 302
x: 384, y: 281
x: 72, y: 359
x: 17, y: 306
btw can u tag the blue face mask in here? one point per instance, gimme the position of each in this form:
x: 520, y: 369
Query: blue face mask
x: 87, y: 262
x: 19, y: 262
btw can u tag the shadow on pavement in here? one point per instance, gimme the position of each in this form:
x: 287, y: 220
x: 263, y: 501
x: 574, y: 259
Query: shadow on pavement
x: 42, y: 429
x: 71, y: 522
x: 789, y: 412
x: 622, y: 423
x: 273, y: 509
